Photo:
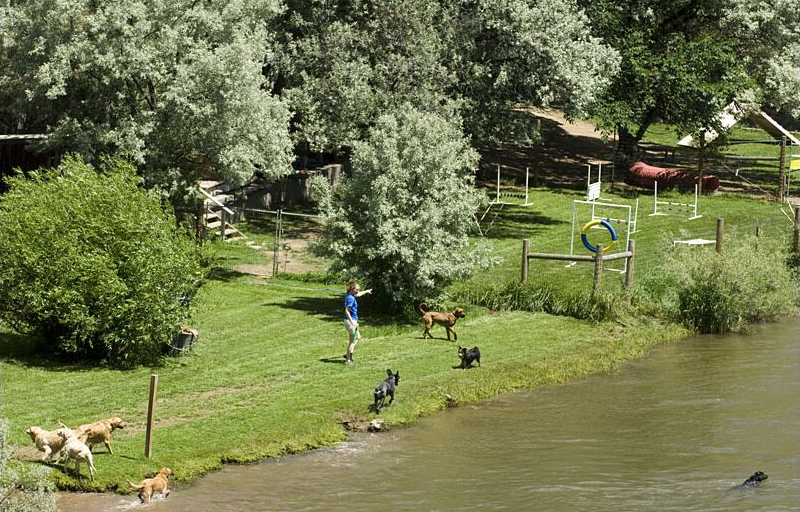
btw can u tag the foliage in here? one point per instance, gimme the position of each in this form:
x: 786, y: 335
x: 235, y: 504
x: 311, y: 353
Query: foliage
x: 545, y: 298
x: 23, y: 488
x: 347, y: 65
x: 682, y: 61
x: 713, y: 293
x: 175, y: 87
x: 94, y: 264
x: 403, y: 220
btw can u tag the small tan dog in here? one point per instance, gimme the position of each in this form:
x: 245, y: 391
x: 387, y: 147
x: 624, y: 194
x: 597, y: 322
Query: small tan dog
x: 48, y: 442
x: 99, y: 432
x: 448, y: 320
x: 150, y: 486
x: 76, y: 449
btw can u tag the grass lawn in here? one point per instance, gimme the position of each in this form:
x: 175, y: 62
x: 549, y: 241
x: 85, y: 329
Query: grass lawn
x: 267, y: 378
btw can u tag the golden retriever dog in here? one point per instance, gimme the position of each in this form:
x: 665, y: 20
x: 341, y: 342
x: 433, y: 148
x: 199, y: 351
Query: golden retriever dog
x: 448, y: 320
x: 48, y: 442
x: 99, y: 432
x: 76, y: 449
x: 150, y: 486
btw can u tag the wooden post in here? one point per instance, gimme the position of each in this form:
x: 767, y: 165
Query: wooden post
x: 151, y: 413
x: 758, y: 228
x: 796, y: 239
x: 629, y: 267
x: 782, y: 173
x: 525, y: 248
x: 598, y: 271
x: 275, y: 248
x: 720, y: 232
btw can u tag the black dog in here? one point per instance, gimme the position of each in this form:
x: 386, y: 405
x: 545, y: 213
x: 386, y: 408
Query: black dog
x: 754, y: 480
x: 386, y: 388
x: 467, y: 356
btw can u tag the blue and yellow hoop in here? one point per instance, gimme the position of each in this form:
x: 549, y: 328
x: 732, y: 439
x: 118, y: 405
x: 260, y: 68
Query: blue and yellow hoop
x: 589, y: 225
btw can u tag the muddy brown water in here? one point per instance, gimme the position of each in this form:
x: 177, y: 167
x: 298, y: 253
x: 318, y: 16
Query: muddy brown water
x: 672, y: 431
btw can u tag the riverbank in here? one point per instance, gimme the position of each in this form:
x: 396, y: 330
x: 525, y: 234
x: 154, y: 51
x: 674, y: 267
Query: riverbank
x: 267, y: 378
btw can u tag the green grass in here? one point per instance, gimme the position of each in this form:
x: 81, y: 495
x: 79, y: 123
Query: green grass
x: 267, y: 378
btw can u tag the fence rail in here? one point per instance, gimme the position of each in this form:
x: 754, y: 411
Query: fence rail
x: 598, y: 260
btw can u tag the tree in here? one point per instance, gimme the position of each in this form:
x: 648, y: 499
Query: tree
x: 23, y: 487
x: 403, y: 218
x: 177, y: 88
x: 350, y: 61
x: 683, y: 60
x: 93, y: 264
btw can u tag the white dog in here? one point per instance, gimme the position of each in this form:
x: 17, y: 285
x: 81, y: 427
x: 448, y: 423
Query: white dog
x: 48, y: 442
x: 76, y: 449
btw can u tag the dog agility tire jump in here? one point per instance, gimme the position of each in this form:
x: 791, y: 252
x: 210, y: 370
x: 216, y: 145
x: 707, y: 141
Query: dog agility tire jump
x: 589, y: 225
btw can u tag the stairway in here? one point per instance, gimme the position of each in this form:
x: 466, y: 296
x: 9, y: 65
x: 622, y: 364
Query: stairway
x: 216, y: 212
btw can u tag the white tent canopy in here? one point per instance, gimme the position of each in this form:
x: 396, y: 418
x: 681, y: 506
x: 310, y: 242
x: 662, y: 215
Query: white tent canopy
x: 734, y: 113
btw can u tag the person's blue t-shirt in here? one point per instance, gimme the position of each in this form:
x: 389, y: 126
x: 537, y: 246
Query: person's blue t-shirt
x: 351, y: 302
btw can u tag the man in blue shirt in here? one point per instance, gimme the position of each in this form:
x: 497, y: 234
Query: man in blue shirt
x: 351, y: 318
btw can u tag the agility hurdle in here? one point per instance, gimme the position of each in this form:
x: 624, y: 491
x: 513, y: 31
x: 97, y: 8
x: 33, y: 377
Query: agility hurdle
x: 593, y: 194
x: 678, y: 207
x: 499, y: 195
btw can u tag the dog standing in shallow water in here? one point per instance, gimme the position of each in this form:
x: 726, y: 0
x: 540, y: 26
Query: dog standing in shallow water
x: 467, y: 356
x: 448, y: 320
x: 151, y: 486
x: 386, y: 388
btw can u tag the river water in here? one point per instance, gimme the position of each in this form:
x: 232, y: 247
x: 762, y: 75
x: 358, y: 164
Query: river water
x: 672, y: 431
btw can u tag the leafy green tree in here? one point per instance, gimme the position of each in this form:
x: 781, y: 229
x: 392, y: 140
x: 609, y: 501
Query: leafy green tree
x: 683, y: 60
x: 403, y: 219
x: 176, y: 87
x: 93, y: 264
x: 350, y: 61
x: 23, y: 487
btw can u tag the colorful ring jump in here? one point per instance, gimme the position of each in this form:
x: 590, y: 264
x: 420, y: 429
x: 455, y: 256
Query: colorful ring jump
x: 589, y: 225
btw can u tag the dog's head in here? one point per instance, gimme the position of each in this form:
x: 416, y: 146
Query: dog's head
x: 34, y: 432
x: 462, y: 352
x: 116, y: 423
x: 459, y: 313
x: 165, y: 471
x: 395, y: 376
x: 757, y: 478
x: 65, y: 433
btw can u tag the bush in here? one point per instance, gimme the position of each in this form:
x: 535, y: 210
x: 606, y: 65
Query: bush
x: 710, y: 293
x: 403, y: 219
x: 515, y: 296
x: 23, y: 487
x: 93, y: 264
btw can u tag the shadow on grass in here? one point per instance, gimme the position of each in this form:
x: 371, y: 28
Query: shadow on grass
x: 515, y: 222
x: 332, y: 360
x: 32, y: 351
x: 225, y: 274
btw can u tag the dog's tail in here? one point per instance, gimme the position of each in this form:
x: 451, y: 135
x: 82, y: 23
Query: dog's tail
x: 135, y: 486
x: 420, y: 307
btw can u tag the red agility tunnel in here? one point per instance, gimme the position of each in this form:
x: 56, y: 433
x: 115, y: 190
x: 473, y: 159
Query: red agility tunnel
x: 645, y: 175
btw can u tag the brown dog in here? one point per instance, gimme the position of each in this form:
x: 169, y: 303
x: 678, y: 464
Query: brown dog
x: 150, y: 486
x: 99, y: 432
x: 48, y: 442
x: 448, y: 320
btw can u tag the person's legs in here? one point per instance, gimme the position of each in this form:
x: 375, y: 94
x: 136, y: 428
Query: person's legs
x: 354, y: 336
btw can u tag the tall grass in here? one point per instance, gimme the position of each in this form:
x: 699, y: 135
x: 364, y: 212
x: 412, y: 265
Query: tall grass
x: 545, y: 298
x: 711, y: 293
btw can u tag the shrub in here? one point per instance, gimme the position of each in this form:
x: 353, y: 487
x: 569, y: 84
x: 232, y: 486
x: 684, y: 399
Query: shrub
x: 515, y: 296
x: 709, y: 293
x: 23, y: 487
x: 93, y: 264
x: 403, y: 219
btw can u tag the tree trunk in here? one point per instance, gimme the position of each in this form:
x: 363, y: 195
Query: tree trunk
x: 624, y: 153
